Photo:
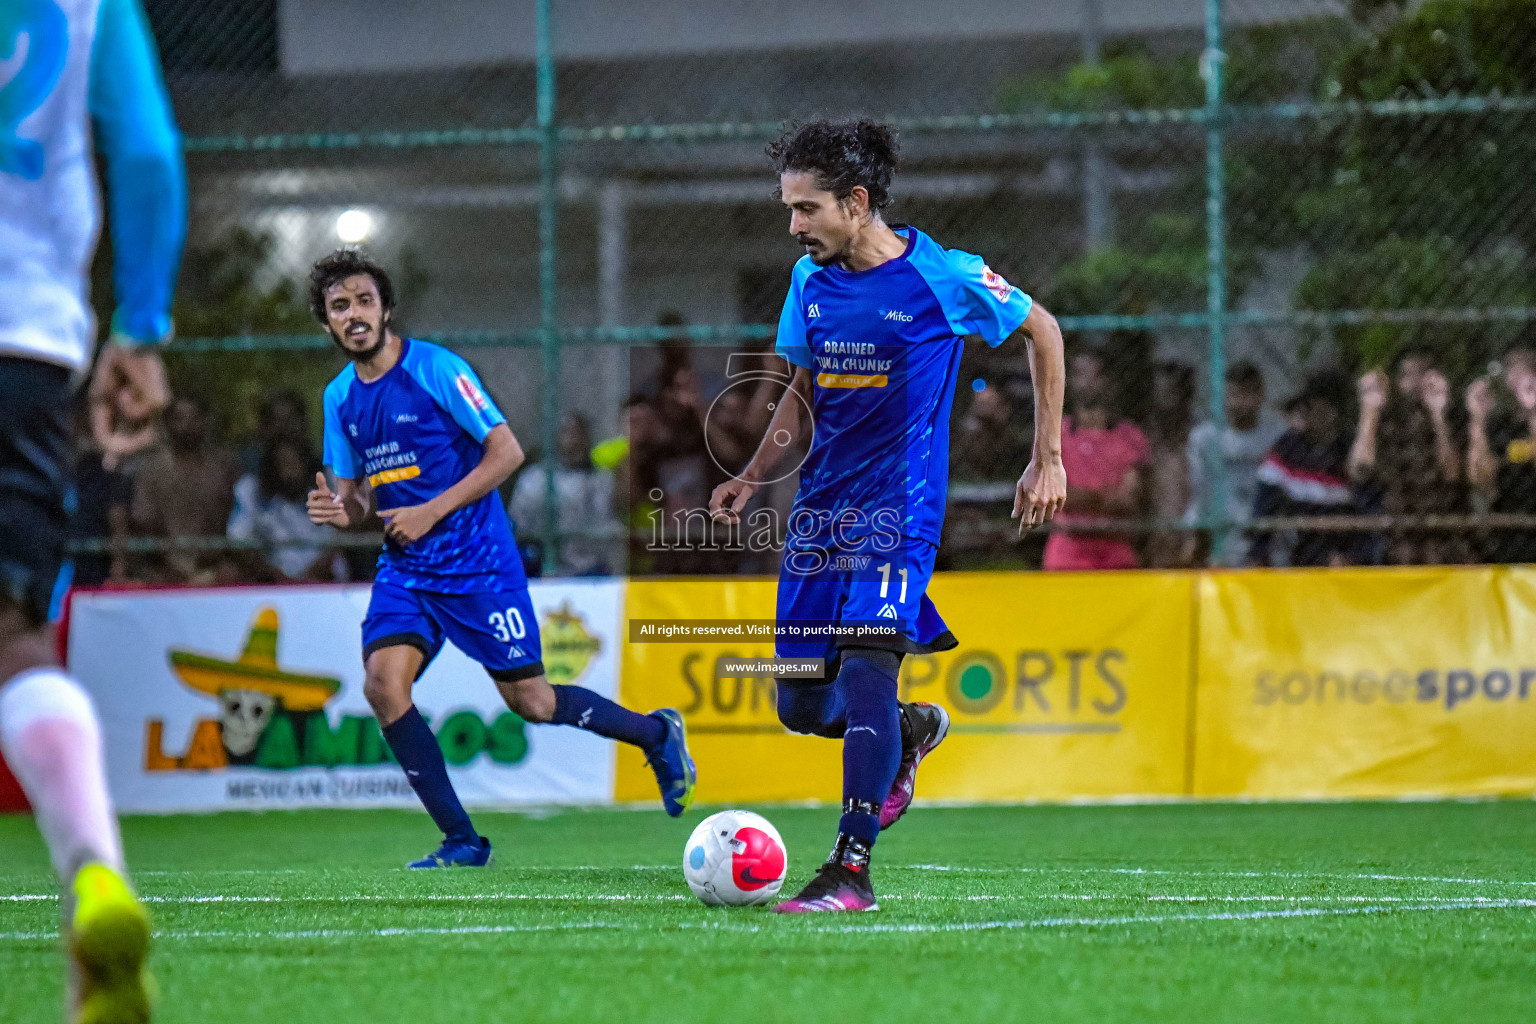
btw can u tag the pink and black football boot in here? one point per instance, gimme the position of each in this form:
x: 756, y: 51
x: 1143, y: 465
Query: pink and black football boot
x: 924, y: 727
x: 841, y: 885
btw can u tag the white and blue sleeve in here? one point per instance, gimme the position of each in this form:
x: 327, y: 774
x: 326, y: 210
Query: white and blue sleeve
x: 792, y: 343
x: 339, y: 453
x: 454, y: 386
x: 974, y: 297
x: 146, y: 178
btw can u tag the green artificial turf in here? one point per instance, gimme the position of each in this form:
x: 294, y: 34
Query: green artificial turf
x: 1373, y: 912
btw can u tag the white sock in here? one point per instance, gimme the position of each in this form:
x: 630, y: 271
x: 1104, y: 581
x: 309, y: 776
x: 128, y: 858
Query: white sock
x: 52, y: 742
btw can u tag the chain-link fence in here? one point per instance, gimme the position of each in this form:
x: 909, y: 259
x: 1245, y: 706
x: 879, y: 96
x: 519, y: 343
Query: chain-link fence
x: 1237, y: 209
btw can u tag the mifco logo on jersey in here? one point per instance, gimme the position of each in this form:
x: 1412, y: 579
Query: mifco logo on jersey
x: 812, y: 311
x: 896, y: 314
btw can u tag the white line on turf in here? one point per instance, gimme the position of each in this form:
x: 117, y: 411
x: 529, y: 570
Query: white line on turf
x: 400, y: 898
x: 847, y: 929
x: 1180, y: 873
x: 678, y: 897
x: 517, y: 867
x: 494, y: 897
x: 358, y: 933
x: 1099, y: 922
x: 967, y: 869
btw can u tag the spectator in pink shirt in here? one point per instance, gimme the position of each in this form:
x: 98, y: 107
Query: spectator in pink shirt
x: 1105, y: 457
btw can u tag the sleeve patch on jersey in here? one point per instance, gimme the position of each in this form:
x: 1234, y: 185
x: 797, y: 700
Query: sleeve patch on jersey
x: 995, y: 284
x: 471, y: 394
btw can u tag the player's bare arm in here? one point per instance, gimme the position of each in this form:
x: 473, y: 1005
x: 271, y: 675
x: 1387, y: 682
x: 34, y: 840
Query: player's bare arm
x: 1042, y: 490
x: 499, y: 459
x: 784, y: 432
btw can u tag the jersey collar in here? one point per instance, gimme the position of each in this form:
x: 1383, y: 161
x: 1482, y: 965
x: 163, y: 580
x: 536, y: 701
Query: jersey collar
x: 911, y: 236
x: 405, y: 346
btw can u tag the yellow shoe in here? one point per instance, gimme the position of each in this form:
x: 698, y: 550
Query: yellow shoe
x: 109, y: 940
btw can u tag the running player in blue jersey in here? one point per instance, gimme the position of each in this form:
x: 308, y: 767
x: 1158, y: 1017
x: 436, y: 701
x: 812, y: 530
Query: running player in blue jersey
x: 873, y: 325
x: 410, y: 432
x: 66, y: 66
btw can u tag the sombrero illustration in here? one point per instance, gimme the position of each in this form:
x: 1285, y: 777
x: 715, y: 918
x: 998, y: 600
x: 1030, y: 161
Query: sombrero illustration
x: 256, y: 670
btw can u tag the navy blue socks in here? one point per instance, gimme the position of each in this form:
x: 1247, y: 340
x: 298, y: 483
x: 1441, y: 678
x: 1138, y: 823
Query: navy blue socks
x: 417, y: 751
x: 815, y: 709
x: 871, y: 741
x: 579, y: 706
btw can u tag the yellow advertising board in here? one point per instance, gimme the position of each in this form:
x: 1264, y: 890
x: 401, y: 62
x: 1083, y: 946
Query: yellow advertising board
x: 1366, y: 683
x: 743, y: 753
x: 1064, y: 685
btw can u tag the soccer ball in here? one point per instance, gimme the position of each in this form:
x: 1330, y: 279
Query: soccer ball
x: 735, y: 859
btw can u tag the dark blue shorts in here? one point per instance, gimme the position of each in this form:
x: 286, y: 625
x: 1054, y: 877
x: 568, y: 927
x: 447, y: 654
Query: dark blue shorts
x: 886, y: 588
x: 35, y: 476
x: 498, y: 630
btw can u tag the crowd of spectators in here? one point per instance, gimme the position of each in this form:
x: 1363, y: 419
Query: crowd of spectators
x: 140, y: 481
x: 1395, y: 446
x: 1273, y: 484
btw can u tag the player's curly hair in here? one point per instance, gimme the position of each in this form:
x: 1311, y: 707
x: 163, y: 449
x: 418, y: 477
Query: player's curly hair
x: 841, y: 155
x: 340, y: 265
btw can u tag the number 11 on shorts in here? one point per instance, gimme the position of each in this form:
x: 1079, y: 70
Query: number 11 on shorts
x: 885, y: 582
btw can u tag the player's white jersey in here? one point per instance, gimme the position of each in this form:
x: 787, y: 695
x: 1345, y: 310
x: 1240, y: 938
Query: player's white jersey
x: 60, y: 62
x: 47, y: 187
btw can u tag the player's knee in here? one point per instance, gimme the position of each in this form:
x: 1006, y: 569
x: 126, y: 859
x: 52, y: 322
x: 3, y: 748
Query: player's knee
x: 871, y: 661
x: 386, y: 695
x: 23, y: 644
x: 533, y: 700
x: 801, y: 708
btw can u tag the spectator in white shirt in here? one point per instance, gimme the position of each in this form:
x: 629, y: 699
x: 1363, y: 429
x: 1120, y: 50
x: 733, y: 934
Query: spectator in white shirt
x: 269, y: 509
x: 1240, y: 446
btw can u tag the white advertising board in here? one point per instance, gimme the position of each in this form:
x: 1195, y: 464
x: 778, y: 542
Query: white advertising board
x: 252, y: 697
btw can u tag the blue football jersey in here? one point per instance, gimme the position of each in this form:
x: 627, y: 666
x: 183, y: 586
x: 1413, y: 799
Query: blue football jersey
x: 414, y: 433
x: 885, y: 345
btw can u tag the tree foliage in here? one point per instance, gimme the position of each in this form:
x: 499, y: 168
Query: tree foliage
x: 1430, y: 211
x: 221, y: 295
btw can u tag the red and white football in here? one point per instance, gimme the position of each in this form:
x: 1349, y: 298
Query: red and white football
x: 735, y: 859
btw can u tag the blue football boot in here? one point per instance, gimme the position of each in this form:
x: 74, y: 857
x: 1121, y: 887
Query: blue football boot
x: 674, y: 769
x: 455, y: 853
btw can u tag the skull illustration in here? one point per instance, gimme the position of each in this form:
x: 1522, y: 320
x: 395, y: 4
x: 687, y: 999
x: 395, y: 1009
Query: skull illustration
x: 243, y: 714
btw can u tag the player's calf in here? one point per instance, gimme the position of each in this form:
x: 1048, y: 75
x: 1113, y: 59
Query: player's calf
x: 51, y: 737
x: 391, y: 671
x: 872, y: 748
x: 660, y: 735
x: 532, y: 700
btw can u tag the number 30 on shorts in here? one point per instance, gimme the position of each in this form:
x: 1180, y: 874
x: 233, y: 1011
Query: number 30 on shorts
x: 510, y: 626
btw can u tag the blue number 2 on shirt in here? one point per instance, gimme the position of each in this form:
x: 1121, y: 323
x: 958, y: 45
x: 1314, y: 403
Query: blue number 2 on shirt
x: 41, y: 62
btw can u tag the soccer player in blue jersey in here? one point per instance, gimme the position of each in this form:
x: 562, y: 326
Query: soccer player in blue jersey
x: 409, y: 432
x: 874, y: 326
